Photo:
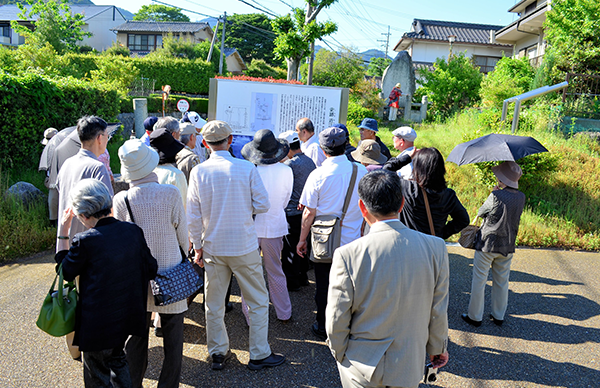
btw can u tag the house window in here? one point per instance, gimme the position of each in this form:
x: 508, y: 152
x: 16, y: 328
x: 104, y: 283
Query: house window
x: 5, y: 30
x: 138, y: 42
x: 485, y: 64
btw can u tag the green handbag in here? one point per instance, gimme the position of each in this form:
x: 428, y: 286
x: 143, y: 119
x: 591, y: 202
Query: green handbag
x: 57, y: 316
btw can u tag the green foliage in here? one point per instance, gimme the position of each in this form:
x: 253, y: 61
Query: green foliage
x: 187, y: 49
x: 252, y: 35
x: 338, y: 70
x: 31, y: 103
x: 23, y: 230
x: 183, y: 75
x: 160, y: 13
x: 572, y: 29
x: 260, y: 69
x: 356, y: 112
x: 366, y: 93
x: 510, y: 77
x: 199, y: 105
x: 55, y: 25
x: 377, y: 66
x: 451, y: 86
x: 117, y: 49
x: 296, y: 31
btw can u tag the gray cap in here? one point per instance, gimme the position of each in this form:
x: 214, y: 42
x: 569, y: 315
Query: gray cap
x: 332, y: 137
x: 406, y: 133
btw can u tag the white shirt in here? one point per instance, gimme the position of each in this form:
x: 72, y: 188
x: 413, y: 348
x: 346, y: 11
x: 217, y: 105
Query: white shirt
x: 171, y: 175
x: 326, y: 188
x: 406, y: 171
x: 312, y: 149
x: 223, y: 195
x: 279, y: 181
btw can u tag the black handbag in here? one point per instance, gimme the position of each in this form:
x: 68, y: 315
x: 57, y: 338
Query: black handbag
x: 176, y: 284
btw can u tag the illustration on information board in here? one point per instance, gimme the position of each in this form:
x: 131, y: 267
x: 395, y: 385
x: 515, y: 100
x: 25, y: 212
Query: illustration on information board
x: 262, y: 111
x: 237, y: 118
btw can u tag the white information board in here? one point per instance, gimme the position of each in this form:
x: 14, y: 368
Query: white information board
x: 249, y: 106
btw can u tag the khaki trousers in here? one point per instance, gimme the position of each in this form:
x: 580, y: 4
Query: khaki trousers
x: 500, y: 272
x: 248, y: 271
x: 352, y: 378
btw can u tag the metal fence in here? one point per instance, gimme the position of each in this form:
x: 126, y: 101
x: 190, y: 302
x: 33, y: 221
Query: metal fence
x: 582, y: 97
x: 142, y: 87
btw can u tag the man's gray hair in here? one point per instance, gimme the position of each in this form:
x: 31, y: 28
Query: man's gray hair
x: 185, y: 139
x: 169, y: 123
x: 91, y: 197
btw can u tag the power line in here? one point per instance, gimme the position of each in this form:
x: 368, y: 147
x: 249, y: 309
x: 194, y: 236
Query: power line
x: 259, y: 9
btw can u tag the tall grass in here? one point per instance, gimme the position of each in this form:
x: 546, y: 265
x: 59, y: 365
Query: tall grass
x: 23, y: 231
x: 562, y: 186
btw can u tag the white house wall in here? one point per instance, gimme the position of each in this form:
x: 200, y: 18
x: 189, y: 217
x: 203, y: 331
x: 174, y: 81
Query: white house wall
x: 100, y: 26
x: 429, y: 52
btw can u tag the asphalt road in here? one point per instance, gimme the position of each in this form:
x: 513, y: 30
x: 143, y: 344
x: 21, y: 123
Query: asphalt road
x: 550, y: 338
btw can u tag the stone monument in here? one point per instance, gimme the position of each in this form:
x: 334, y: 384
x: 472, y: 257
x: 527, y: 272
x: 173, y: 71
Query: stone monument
x: 400, y: 70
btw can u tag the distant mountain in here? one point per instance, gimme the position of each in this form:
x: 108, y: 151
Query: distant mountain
x: 5, y: 2
x: 128, y: 15
x: 212, y: 22
x: 373, y: 53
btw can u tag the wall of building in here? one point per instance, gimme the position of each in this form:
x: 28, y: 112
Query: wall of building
x: 429, y: 52
x: 100, y: 25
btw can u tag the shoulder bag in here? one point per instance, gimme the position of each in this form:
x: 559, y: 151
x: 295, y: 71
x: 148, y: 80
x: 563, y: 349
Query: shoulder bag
x: 468, y: 235
x: 57, y: 316
x: 431, y: 228
x: 176, y: 284
x: 326, y: 230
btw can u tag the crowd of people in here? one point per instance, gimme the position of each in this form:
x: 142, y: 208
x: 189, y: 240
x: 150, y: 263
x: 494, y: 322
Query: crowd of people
x: 381, y: 301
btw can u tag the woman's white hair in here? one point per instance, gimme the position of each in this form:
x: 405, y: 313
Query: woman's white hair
x: 90, y: 197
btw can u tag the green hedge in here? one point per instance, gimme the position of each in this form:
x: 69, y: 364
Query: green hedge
x: 356, y: 113
x: 199, y: 105
x: 31, y: 103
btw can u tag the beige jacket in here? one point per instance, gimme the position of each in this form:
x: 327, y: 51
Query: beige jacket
x: 387, y: 303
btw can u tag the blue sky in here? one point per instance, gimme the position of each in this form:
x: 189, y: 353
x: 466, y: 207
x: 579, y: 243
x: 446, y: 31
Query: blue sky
x: 361, y: 23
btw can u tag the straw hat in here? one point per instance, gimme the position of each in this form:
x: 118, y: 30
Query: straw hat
x: 368, y: 151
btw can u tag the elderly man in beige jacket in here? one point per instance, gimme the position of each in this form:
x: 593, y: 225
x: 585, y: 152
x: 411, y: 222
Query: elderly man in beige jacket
x: 388, y: 295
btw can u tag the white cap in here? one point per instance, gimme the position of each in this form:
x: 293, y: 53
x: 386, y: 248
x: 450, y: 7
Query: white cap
x: 196, y: 119
x: 406, y: 133
x: 290, y: 136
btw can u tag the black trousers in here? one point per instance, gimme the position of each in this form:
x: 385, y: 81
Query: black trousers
x: 137, y: 352
x: 294, y: 266
x: 106, y: 368
x: 322, y: 279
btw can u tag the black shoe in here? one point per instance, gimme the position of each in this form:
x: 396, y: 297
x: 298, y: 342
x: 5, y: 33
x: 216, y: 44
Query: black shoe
x: 219, y: 360
x: 158, y: 332
x: 470, y: 321
x: 320, y: 333
x: 228, y: 307
x: 498, y: 322
x: 273, y: 360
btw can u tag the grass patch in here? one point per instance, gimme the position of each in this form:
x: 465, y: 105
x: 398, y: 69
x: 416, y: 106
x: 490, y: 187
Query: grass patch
x: 23, y: 231
x: 562, y: 186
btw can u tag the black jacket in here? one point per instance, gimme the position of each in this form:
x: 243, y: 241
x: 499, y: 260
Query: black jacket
x: 114, y: 265
x: 442, y: 205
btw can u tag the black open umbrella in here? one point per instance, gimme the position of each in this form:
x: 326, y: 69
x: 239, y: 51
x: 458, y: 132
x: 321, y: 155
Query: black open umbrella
x: 495, y: 147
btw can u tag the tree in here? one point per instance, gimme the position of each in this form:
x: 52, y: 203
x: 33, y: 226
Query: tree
x: 296, y: 31
x: 343, y: 70
x: 573, y: 34
x: 452, y: 85
x: 55, y: 25
x: 510, y: 77
x: 252, y: 35
x: 377, y: 66
x: 160, y: 13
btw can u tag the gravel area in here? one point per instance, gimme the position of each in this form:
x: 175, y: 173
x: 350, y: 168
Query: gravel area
x: 550, y: 337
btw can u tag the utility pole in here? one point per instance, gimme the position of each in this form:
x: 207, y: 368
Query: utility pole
x: 212, y: 42
x: 387, y: 41
x: 311, y: 59
x: 223, y: 43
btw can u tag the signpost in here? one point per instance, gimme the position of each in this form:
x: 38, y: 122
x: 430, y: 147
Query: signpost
x: 183, y: 106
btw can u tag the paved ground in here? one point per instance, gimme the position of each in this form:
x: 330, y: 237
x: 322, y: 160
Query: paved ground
x: 551, y: 337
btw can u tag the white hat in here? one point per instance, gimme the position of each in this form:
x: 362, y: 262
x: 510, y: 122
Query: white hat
x: 290, y: 136
x: 187, y: 129
x: 48, y: 134
x: 137, y: 160
x: 196, y: 119
x: 406, y: 133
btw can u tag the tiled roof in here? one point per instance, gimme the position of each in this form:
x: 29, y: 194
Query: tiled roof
x: 136, y: 26
x: 423, y: 65
x: 440, y: 30
x: 11, y: 11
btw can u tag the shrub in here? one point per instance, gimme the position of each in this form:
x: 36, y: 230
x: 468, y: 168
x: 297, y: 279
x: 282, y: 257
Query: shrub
x: 31, y: 103
x: 255, y: 79
x: 183, y: 75
x: 510, y: 77
x: 187, y: 49
x: 357, y: 112
x: 343, y: 70
x: 451, y: 86
x: 117, y: 49
x: 261, y: 69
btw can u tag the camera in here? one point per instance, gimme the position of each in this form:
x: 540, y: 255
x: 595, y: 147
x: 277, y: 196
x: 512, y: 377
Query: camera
x: 430, y: 374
